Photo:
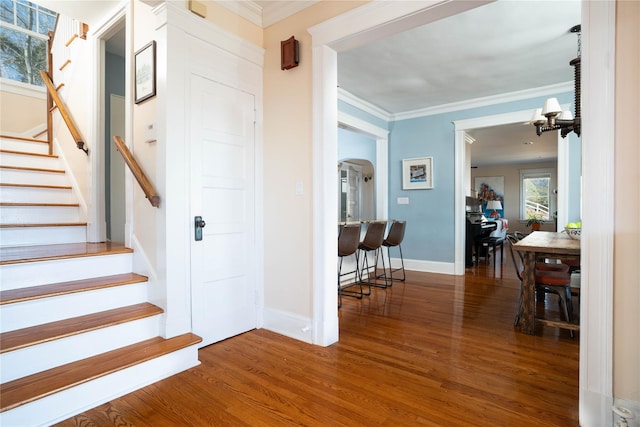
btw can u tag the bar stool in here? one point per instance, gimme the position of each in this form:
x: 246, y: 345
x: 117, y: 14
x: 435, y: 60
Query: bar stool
x: 394, y: 238
x: 348, y: 241
x: 372, y: 242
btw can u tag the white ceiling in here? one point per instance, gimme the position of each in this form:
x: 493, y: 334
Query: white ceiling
x: 504, y: 47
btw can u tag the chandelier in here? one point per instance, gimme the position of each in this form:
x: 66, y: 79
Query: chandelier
x: 551, y: 117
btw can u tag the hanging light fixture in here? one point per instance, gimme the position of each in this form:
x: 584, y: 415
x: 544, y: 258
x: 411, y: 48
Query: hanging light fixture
x: 551, y: 117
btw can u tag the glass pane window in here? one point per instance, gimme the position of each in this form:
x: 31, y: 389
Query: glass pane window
x: 7, y: 12
x: 22, y: 57
x: 24, y: 29
x: 538, y: 199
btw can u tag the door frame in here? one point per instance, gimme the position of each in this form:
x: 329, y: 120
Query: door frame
x: 96, y: 215
x: 380, y: 19
x: 381, y: 136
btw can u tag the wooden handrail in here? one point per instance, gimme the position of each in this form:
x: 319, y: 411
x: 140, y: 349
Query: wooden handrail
x: 64, y: 112
x: 135, y: 168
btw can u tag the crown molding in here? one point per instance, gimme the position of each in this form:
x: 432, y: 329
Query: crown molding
x: 280, y: 10
x: 363, y: 105
x: 248, y: 10
x: 263, y: 17
x: 486, y: 101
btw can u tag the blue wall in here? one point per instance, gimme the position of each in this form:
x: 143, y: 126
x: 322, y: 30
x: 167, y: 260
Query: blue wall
x: 430, y: 213
x: 353, y: 145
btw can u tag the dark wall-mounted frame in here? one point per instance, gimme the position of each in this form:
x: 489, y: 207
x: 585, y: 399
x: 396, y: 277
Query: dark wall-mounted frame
x: 145, y: 66
x: 289, y: 53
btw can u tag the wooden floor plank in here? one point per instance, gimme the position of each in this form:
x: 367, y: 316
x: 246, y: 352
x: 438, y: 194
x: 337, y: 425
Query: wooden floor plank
x: 19, y: 254
x: 14, y: 340
x: 28, y: 389
x: 436, y: 350
x: 12, y: 296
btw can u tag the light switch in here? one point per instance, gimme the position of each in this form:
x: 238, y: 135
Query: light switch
x: 299, y: 188
x: 150, y: 134
x: 403, y: 200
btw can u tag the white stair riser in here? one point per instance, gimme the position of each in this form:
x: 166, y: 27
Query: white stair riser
x: 28, y: 146
x: 21, y: 176
x: 30, y: 360
x: 13, y: 159
x: 47, y: 310
x: 38, y: 214
x: 22, y: 275
x: 26, y: 236
x: 60, y: 406
x: 37, y: 195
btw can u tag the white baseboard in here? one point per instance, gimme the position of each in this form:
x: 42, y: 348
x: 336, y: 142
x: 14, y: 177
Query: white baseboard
x: 425, y: 266
x: 632, y: 406
x: 288, y: 324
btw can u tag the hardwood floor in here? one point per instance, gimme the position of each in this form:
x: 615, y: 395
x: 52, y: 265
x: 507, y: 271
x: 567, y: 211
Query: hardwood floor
x: 437, y: 350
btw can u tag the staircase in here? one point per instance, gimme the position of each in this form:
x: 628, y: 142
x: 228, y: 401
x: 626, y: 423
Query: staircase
x: 76, y: 327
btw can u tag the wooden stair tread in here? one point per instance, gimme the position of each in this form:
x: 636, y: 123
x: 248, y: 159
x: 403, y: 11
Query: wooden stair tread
x: 57, y: 224
x: 12, y: 296
x: 60, y: 205
x: 21, y: 138
x: 50, y: 187
x: 26, y: 153
x: 28, y: 169
x: 14, y: 340
x: 33, y: 387
x: 20, y: 254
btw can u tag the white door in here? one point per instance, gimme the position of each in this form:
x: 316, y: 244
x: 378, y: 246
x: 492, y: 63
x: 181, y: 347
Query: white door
x: 223, y: 273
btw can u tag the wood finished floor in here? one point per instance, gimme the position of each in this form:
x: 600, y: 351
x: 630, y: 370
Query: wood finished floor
x: 437, y: 350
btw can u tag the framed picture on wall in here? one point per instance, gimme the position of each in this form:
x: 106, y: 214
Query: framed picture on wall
x: 145, y: 66
x: 417, y: 173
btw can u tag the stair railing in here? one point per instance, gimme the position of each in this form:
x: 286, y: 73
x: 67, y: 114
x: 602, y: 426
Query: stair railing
x: 64, y: 112
x: 135, y: 168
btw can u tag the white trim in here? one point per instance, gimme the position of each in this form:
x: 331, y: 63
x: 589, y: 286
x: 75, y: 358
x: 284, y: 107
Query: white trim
x: 502, y: 98
x: 96, y: 219
x: 325, y: 202
x: 382, y: 158
x: 245, y: 9
x: 24, y: 89
x: 288, y: 324
x: 487, y: 100
x: 363, y: 105
x: 426, y: 266
x: 277, y: 11
x: 598, y: 146
x: 207, y: 31
x: 462, y: 179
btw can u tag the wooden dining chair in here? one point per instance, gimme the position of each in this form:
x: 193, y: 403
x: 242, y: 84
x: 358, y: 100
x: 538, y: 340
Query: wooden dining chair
x: 547, y: 281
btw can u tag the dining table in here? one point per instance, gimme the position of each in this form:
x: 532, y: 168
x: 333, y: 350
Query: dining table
x: 537, y: 245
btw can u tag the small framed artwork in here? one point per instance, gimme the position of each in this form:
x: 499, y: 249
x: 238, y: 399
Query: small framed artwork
x: 145, y: 65
x: 417, y: 173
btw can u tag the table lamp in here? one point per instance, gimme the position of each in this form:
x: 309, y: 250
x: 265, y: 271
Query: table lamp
x: 496, y: 206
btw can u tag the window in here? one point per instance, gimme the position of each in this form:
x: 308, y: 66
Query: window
x: 537, y: 193
x: 24, y: 29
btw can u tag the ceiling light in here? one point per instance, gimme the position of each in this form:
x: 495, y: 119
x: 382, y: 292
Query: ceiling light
x: 551, y: 116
